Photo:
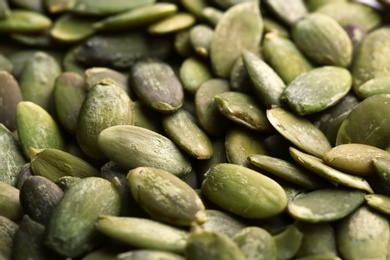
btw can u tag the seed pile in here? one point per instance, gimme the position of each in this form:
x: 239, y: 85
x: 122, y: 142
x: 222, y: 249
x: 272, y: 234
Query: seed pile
x: 194, y: 129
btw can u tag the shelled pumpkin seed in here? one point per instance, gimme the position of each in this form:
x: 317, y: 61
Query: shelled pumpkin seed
x: 250, y: 188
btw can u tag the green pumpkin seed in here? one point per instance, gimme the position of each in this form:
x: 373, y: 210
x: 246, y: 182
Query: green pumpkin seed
x: 36, y: 128
x: 299, y: 131
x: 379, y: 202
x: 193, y: 72
x: 143, y: 233
x: 382, y: 167
x: 241, y: 143
x: 105, y: 105
x: 37, y: 80
x: 71, y: 64
x: 369, y: 62
x: 10, y: 95
x: 274, y: 27
x: 374, y: 86
x: 9, y: 202
x: 69, y: 94
x: 54, y: 164
x: 182, y: 43
x: 129, y: 147
x: 353, y: 158
x: 207, y: 244
x: 219, y: 156
x: 223, y: 222
x: 24, y: 21
x: 8, y: 229
x: 372, y: 123
x: 70, y: 28
x: 276, y: 48
x: 200, y: 38
x: 288, y: 242
x: 173, y: 23
x: 181, y: 127
x: 212, y: 15
x: 207, y: 113
x: 243, y: 110
x: 363, y: 235
x: 318, y: 239
x: 38, y: 197
x: 165, y: 197
x: 156, y: 84
x: 318, y: 167
x: 266, y: 83
x: 256, y: 243
x: 262, y: 197
x: 56, y: 6
x: 71, y: 228
x: 239, y: 28
x: 325, y: 205
x: 323, y: 40
x: 239, y: 78
x: 148, y: 254
x: 27, y: 241
x: 103, y: 8
x: 290, y: 12
x: 5, y: 64
x: 122, y: 50
x: 136, y: 17
x: 352, y: 13
x: 318, y: 89
x: 195, y: 7
x: 287, y: 171
x: 146, y: 117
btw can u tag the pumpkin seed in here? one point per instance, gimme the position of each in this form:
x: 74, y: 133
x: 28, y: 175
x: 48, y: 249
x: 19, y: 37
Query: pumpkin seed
x: 325, y: 205
x: 317, y: 166
x: 262, y: 197
x: 143, y: 233
x: 120, y: 143
x: 200, y: 38
x: 70, y: 28
x: 288, y: 242
x: 9, y: 202
x: 212, y: 15
x: 223, y: 222
x: 239, y: 28
x: 165, y: 197
x: 103, y: 8
x: 193, y: 72
x: 8, y: 229
x: 10, y: 95
x: 375, y: 86
x: 24, y: 21
x: 289, y: 13
x: 379, y: 202
x: 364, y: 234
x: 173, y: 23
x: 299, y: 131
x: 382, y: 167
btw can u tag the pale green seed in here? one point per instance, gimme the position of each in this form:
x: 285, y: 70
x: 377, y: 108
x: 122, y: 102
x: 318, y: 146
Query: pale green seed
x: 174, y: 23
x: 194, y: 72
x: 379, y: 202
x: 288, y: 242
x: 69, y: 28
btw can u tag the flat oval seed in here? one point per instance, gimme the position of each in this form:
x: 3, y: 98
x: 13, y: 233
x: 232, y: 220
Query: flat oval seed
x: 207, y: 112
x: 241, y: 143
x: 299, y: 131
x: 288, y: 242
x: 287, y: 171
x: 36, y: 128
x: 382, y: 168
x: 367, y: 124
x: 379, y: 202
x: 165, y: 197
x: 325, y: 205
x: 10, y: 206
x: 136, y: 17
x: 243, y: 191
x: 363, y: 235
x: 256, y: 243
x: 223, y: 222
x: 289, y: 12
x: 267, y: 84
x: 12, y: 160
x: 181, y: 127
x: 103, y: 8
x: 353, y: 158
x: 317, y: 166
x: 318, y: 89
x: 105, y: 105
x: 10, y: 95
x: 239, y: 28
x: 200, y: 38
x: 173, y: 23
x: 143, y: 233
x: 323, y: 40
x: 156, y: 84
x: 212, y: 15
x: 193, y: 72
x: 24, y: 21
x: 71, y: 228
x: 132, y: 146
x: 70, y: 28
x: 208, y: 244
x: 243, y: 110
x: 375, y: 86
x: 69, y: 94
